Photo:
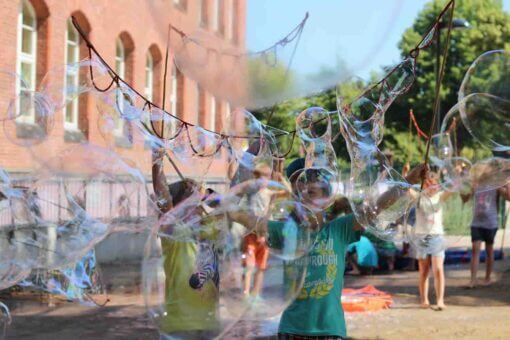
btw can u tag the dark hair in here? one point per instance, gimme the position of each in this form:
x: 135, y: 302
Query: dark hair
x: 181, y: 190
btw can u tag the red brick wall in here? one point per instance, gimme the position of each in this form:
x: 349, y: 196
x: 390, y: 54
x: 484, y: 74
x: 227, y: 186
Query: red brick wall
x: 144, y: 21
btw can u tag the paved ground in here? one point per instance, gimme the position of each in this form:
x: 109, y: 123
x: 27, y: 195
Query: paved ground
x: 472, y: 314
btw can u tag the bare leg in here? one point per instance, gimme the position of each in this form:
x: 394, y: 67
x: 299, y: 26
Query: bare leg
x: 423, y: 284
x: 489, y: 249
x: 353, y: 260
x: 391, y: 263
x: 475, y: 260
x: 247, y: 280
x: 439, y: 283
x: 258, y: 280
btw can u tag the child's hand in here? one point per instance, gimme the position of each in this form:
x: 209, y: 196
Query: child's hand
x: 417, y: 173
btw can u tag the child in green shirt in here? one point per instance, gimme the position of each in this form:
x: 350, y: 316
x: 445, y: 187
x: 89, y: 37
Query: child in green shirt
x: 317, y: 311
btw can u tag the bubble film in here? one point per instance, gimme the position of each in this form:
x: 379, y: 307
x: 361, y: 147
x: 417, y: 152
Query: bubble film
x: 5, y: 319
x: 198, y: 276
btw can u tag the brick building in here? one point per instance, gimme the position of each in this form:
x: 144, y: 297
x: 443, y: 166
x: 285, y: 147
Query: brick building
x: 37, y: 36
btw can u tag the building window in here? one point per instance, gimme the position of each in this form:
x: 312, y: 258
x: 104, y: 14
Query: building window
x: 212, y: 114
x: 149, y: 77
x: 200, y: 106
x: 229, y: 14
x: 228, y: 111
x: 181, y: 4
x: 173, y: 93
x: 178, y: 93
x: 71, y: 80
x: 233, y: 22
x: 202, y: 13
x: 220, y: 17
x: 215, y: 14
x: 120, y: 68
x: 26, y: 63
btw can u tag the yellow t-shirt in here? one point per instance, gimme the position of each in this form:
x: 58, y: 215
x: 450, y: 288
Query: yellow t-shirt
x: 187, y: 309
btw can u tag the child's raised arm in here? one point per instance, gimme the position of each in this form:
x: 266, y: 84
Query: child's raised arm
x: 164, y: 199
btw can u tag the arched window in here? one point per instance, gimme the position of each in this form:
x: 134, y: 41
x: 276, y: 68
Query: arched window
x: 149, y: 76
x: 202, y: 13
x: 72, y: 77
x: 177, y: 95
x: 120, y: 68
x: 27, y: 60
x: 173, y: 92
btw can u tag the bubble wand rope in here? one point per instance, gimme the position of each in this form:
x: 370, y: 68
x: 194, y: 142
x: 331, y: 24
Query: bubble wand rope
x: 117, y: 79
x: 438, y: 87
x: 292, y: 35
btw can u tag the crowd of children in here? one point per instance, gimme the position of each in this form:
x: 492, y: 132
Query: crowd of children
x: 311, y: 316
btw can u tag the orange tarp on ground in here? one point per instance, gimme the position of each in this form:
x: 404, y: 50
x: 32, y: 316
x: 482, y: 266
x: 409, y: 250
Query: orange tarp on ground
x: 366, y: 299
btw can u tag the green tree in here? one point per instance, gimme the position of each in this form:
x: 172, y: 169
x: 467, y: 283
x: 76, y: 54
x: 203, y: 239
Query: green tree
x: 490, y: 29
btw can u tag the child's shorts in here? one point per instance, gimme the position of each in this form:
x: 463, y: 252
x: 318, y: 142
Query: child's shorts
x: 255, y: 252
x: 432, y: 245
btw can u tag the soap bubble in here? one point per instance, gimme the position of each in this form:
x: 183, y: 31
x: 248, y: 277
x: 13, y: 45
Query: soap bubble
x: 320, y: 154
x: 490, y: 174
x: 195, y: 149
x: 5, y: 319
x: 315, y: 187
x: 487, y: 119
x: 66, y: 85
x: 79, y: 282
x: 249, y: 154
x: 30, y: 119
x: 314, y: 123
x: 10, y: 111
x: 488, y: 74
x: 470, y: 162
x: 442, y: 218
x: 197, y: 277
x: 290, y: 237
x: 426, y: 234
x: 484, y: 99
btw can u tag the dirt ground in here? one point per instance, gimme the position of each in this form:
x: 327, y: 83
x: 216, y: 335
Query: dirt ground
x: 480, y: 313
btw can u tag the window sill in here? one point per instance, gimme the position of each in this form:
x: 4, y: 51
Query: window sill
x: 181, y: 7
x: 123, y: 142
x: 26, y: 130
x: 73, y: 136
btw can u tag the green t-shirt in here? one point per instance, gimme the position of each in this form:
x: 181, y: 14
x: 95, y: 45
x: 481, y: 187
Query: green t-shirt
x: 317, y: 311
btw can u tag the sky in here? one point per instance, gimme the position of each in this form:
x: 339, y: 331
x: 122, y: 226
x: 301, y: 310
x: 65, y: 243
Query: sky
x: 363, y: 34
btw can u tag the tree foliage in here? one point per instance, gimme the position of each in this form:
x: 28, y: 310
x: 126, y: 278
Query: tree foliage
x: 489, y: 30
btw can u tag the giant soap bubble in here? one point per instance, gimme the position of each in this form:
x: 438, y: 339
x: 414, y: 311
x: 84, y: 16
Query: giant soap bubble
x: 197, y: 278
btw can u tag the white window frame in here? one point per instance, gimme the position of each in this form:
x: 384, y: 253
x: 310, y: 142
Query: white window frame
x: 212, y: 114
x: 149, y: 76
x: 120, y: 68
x: 201, y: 21
x: 26, y: 58
x: 74, y: 72
x: 215, y: 11
x: 173, y: 98
x: 229, y: 4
